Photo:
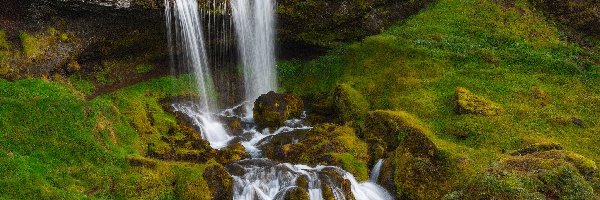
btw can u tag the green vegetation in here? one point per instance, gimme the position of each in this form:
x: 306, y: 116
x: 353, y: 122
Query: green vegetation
x: 504, y: 51
x: 55, y: 144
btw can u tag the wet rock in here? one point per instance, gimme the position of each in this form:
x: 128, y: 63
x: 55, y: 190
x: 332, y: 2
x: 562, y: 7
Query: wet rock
x: 387, y: 129
x: 325, y: 144
x: 181, y: 143
x: 297, y: 194
x: 349, y: 103
x: 332, y: 176
x: 469, y: 103
x: 272, y: 109
x: 232, y: 153
x: 219, y: 181
x: 233, y: 125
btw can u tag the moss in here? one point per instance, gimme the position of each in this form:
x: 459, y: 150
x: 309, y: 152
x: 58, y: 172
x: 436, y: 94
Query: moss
x: 469, y: 103
x: 538, y: 147
x: 144, y: 68
x: 297, y: 194
x: 349, y: 103
x: 220, y: 182
x: 141, y: 161
x: 31, y: 45
x: 325, y: 144
x: 272, y: 109
x: 541, y: 175
x: 389, y: 128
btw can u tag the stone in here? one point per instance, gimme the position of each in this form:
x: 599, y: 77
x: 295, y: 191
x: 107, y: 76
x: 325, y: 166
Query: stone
x: 219, y: 181
x: 469, y: 103
x: 271, y: 110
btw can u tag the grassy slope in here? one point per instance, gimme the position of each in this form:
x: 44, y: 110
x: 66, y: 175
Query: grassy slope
x: 47, y: 151
x: 506, y: 53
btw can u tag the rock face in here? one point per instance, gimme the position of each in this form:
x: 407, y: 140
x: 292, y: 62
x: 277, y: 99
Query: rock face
x: 581, y: 15
x: 469, y: 103
x: 272, y: 109
x: 326, y: 23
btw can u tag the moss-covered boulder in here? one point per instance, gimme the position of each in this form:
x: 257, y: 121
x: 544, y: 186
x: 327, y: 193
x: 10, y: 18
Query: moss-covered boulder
x: 272, y: 109
x: 325, y: 144
x: 469, y: 103
x: 349, y: 103
x: 232, y: 153
x: 410, y: 174
x: 296, y: 193
x: 385, y: 130
x: 219, y: 181
x: 545, y: 174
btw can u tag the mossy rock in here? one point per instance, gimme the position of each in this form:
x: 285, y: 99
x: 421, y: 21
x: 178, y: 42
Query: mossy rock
x: 409, y: 176
x: 297, y: 193
x: 219, y: 181
x: 385, y: 130
x: 272, y: 109
x: 325, y: 144
x: 349, y: 103
x: 232, y: 153
x: 469, y: 103
x: 552, y: 174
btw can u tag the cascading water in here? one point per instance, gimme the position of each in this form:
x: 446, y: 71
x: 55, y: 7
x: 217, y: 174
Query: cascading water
x: 254, y: 25
x: 188, y: 44
x: 256, y: 178
x: 265, y: 179
x: 376, y: 171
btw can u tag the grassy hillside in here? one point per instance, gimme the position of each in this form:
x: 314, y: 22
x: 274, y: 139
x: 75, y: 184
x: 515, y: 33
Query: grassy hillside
x: 504, y: 51
x: 54, y: 144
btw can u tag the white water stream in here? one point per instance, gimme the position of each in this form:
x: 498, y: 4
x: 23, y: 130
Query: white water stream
x: 256, y: 178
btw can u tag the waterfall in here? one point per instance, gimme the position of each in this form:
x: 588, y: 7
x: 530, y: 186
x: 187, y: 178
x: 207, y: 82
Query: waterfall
x: 187, y: 43
x: 254, y: 26
x: 256, y: 178
x: 375, y: 171
x: 265, y: 179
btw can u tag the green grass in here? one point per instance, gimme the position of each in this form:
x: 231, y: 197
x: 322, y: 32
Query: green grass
x: 507, y: 54
x: 54, y: 144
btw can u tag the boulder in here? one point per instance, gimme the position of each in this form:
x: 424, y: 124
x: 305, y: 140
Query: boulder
x: 385, y: 130
x: 232, y: 153
x: 325, y: 144
x: 544, y: 174
x: 469, y: 103
x: 271, y: 110
x: 349, y: 103
x: 220, y: 183
x: 297, y: 193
